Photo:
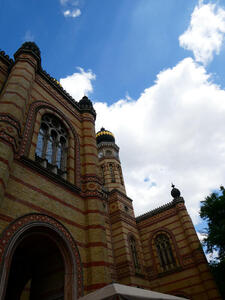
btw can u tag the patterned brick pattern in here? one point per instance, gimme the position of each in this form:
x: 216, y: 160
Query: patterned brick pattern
x: 95, y: 224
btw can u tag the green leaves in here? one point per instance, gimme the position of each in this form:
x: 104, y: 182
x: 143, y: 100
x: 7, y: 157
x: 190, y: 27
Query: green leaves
x: 213, y: 212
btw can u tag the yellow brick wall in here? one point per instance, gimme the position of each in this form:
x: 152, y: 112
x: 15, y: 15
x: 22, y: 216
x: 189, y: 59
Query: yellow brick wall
x: 191, y: 276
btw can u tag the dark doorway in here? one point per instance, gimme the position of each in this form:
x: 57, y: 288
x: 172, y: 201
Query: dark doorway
x: 37, y: 270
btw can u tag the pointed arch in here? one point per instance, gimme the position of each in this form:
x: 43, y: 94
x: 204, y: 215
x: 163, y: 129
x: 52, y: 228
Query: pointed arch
x: 134, y: 251
x: 164, y: 251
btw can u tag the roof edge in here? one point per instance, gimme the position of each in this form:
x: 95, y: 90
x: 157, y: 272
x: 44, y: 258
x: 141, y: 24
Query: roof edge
x: 159, y: 209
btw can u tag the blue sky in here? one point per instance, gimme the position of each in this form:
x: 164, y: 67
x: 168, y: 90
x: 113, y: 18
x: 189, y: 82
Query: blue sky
x: 155, y: 71
x: 126, y: 43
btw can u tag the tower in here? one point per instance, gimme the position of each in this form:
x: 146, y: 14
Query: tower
x: 109, y: 162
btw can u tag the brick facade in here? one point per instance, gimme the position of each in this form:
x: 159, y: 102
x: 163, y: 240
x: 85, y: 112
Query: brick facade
x: 85, y: 218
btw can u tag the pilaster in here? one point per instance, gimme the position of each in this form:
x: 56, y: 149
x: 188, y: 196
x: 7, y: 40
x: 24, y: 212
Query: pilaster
x: 13, y: 102
x: 98, y: 271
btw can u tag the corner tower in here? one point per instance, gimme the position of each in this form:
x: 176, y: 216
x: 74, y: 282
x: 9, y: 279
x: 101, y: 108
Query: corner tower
x: 109, y: 162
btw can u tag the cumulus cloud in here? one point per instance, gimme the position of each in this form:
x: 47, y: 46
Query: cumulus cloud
x: 72, y: 13
x: 173, y: 132
x: 79, y: 83
x: 205, y: 34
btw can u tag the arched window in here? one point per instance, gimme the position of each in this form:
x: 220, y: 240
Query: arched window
x: 52, y: 143
x: 134, y: 253
x: 111, y: 169
x: 165, y: 253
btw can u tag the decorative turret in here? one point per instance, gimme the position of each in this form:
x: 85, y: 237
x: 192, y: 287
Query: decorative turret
x: 29, y: 48
x: 108, y: 154
x: 85, y: 105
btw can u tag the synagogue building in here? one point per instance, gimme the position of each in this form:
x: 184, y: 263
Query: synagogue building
x: 67, y: 226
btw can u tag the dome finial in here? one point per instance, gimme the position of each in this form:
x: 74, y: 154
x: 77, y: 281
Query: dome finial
x: 175, y: 193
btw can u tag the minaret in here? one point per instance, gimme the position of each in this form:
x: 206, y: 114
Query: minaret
x: 109, y: 162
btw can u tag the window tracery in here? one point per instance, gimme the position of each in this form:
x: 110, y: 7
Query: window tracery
x: 52, y: 144
x: 165, y: 253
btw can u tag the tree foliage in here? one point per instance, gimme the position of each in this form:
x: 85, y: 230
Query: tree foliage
x: 213, y: 212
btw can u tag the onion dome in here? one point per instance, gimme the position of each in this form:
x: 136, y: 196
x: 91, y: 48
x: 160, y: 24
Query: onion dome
x: 104, y: 136
x: 175, y: 193
x: 85, y: 105
x: 30, y: 48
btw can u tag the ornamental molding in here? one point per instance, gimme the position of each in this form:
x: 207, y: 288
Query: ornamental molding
x: 10, y: 238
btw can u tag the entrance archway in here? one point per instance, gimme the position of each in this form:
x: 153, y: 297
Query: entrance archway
x: 39, y: 260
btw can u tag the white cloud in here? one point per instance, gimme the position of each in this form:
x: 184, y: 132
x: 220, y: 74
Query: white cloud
x: 78, y: 84
x: 201, y: 236
x: 28, y: 36
x: 72, y: 13
x: 205, y: 33
x: 174, y: 132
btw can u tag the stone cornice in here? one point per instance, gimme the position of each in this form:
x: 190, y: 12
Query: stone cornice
x: 108, y: 144
x: 114, y: 191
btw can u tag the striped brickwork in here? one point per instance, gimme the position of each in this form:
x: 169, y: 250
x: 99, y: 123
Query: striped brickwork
x: 123, y: 225
x: 91, y: 221
x: 25, y: 188
x: 115, y: 180
x: 191, y: 275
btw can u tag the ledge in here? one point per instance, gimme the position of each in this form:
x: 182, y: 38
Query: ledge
x: 43, y: 171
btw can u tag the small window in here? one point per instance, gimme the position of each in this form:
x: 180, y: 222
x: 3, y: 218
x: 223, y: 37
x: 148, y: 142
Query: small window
x: 120, y: 174
x: 108, y: 153
x: 111, y: 169
x: 103, y: 174
x: 51, y: 150
x: 165, y: 253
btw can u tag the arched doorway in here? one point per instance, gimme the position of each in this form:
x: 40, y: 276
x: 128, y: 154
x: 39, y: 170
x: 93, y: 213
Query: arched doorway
x: 37, y: 270
x: 39, y: 261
